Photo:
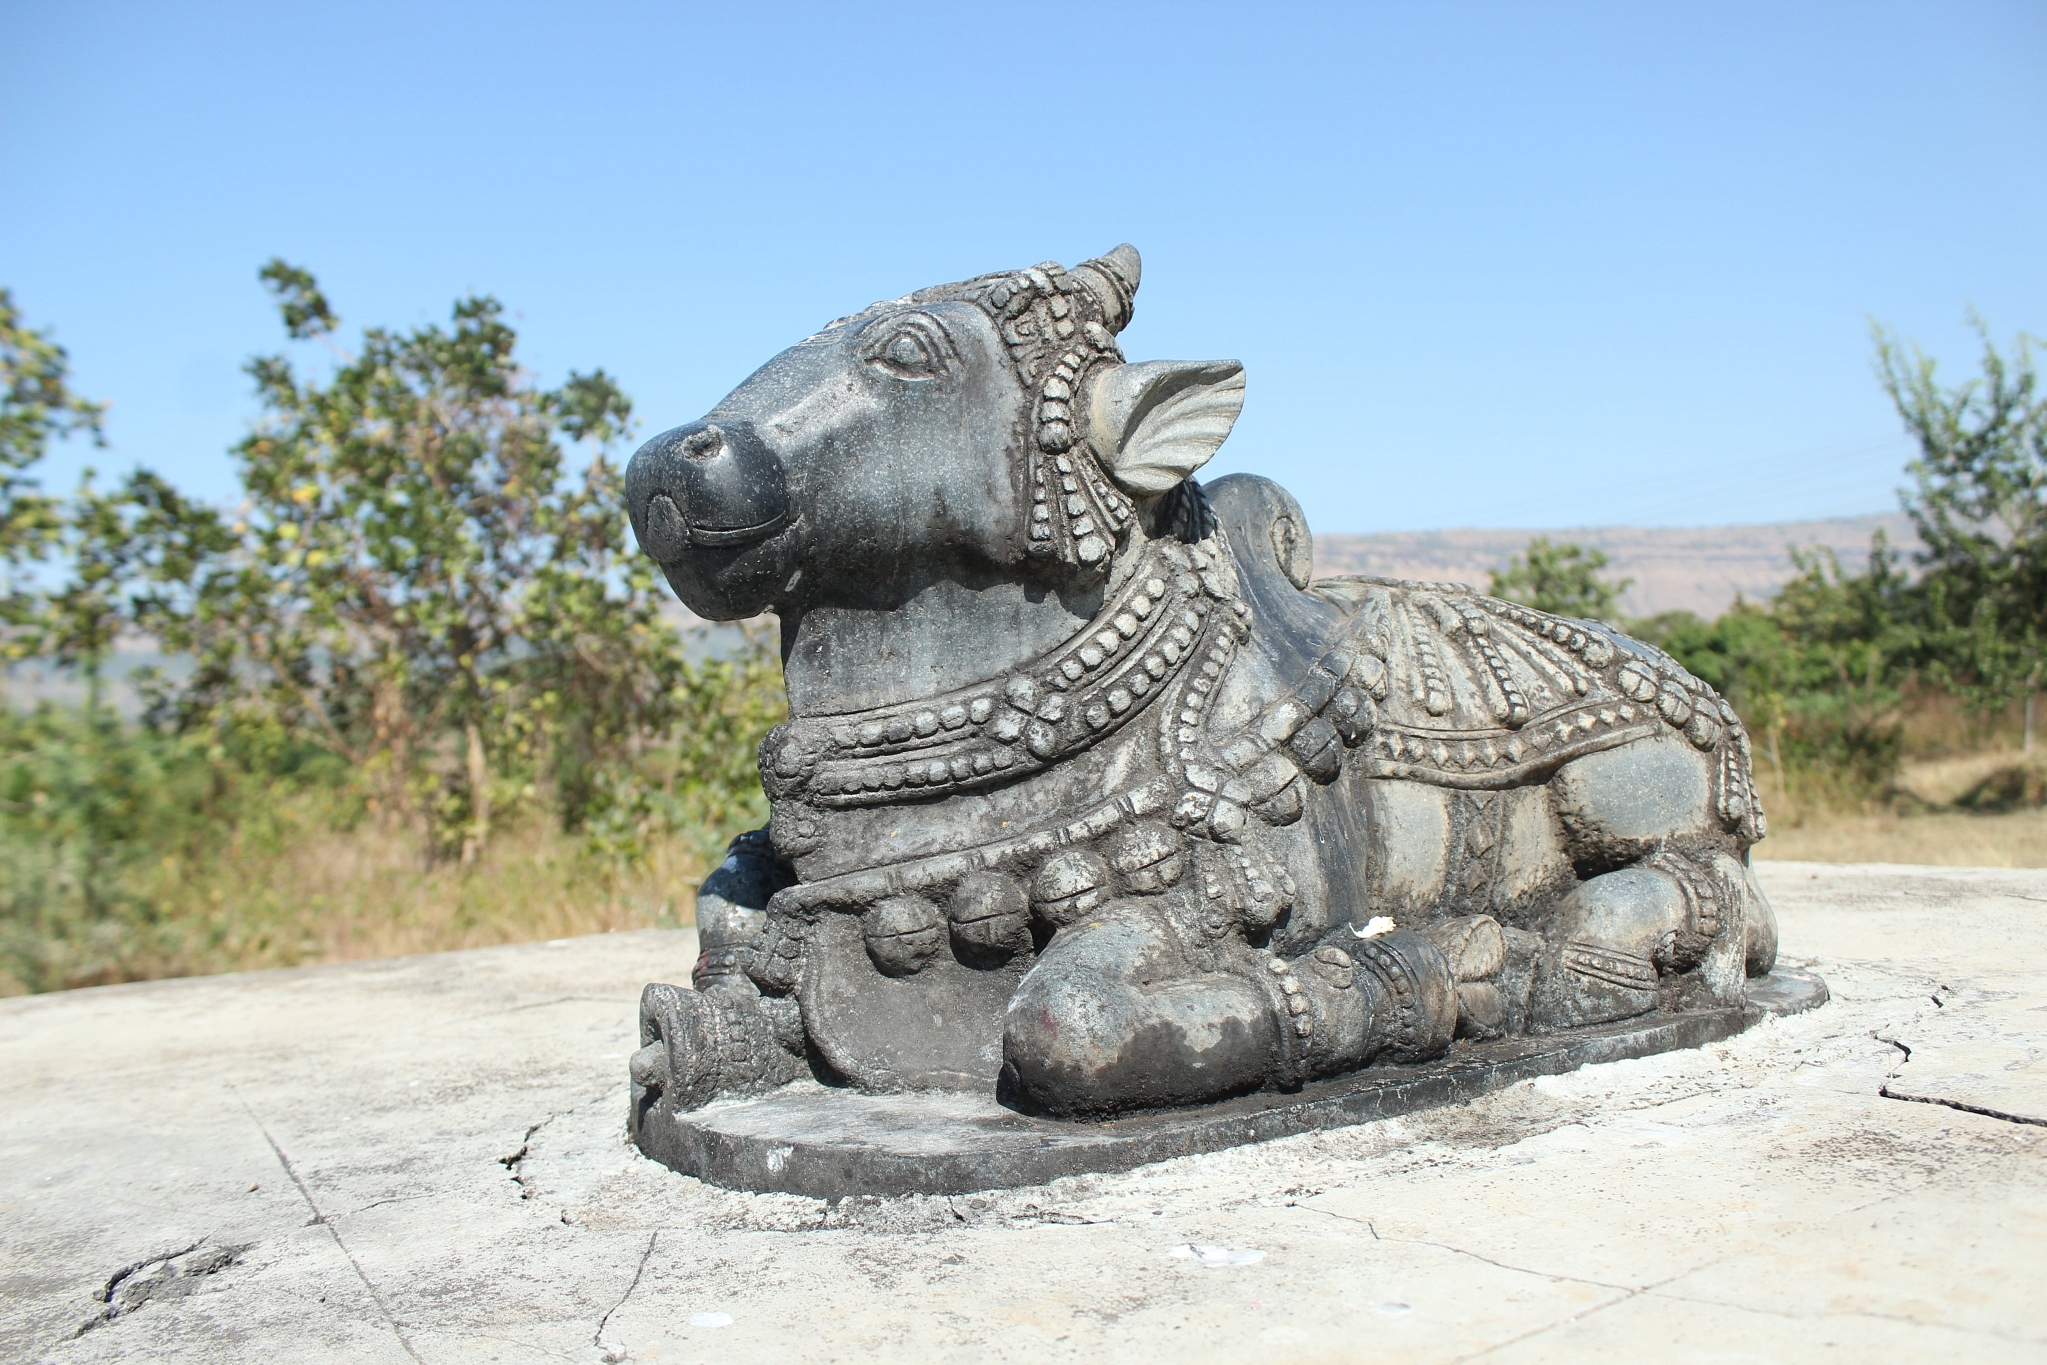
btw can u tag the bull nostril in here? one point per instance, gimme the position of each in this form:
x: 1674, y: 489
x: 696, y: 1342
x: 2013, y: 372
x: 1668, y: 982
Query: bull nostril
x: 667, y: 536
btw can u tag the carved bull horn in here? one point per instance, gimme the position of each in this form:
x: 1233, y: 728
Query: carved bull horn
x: 1112, y: 279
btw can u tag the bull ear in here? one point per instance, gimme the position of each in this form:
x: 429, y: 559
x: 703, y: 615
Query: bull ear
x: 1155, y: 423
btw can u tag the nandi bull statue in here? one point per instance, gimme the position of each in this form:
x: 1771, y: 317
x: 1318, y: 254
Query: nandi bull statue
x: 1091, y: 801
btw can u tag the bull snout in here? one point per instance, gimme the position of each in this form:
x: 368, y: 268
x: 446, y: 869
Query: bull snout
x: 708, y: 484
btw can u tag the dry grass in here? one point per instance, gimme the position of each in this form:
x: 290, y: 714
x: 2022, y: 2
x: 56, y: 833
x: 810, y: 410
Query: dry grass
x: 365, y: 893
x: 1935, y: 838
x: 1937, y: 725
x: 1922, y: 823
x: 1944, y: 781
x: 343, y: 895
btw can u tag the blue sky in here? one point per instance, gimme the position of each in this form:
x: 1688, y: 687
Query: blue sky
x: 1487, y: 265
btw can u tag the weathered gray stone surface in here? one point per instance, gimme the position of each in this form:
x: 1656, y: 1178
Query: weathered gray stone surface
x: 425, y: 1159
x: 1093, y: 799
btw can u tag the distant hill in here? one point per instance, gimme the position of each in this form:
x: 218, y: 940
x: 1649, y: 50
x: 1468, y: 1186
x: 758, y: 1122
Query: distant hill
x: 1699, y: 569
x: 1693, y: 568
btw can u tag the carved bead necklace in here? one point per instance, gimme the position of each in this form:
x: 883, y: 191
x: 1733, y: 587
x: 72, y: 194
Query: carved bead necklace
x: 1164, y: 617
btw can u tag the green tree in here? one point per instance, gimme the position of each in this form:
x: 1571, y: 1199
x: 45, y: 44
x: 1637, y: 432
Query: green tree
x: 1816, y: 672
x: 1979, y: 502
x: 415, y: 581
x: 114, y: 546
x: 37, y: 407
x: 1559, y: 578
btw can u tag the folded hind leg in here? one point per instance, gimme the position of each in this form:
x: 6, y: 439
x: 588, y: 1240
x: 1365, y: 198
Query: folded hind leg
x: 1667, y: 899
x: 1597, y: 963
x: 1619, y: 941
x: 1114, y: 1016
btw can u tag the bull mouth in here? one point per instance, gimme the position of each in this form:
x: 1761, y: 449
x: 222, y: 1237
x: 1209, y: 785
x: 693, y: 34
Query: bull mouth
x: 737, y: 535
x: 670, y: 535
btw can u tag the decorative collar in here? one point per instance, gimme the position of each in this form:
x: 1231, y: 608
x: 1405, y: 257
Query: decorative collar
x: 1028, y: 718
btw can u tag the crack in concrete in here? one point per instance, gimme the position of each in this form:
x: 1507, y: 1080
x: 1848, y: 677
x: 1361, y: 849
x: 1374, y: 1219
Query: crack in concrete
x: 1625, y: 1292
x: 394, y: 1199
x: 1965, y: 1107
x: 1034, y: 1216
x: 1884, y: 1090
x: 107, y: 1294
x: 513, y: 1161
x: 1377, y: 1236
x: 1873, y: 1316
x: 332, y: 1231
x: 617, y: 1353
x: 1646, y: 1289
x: 112, y: 1309
x: 1626, y: 1296
x: 1534, y: 1332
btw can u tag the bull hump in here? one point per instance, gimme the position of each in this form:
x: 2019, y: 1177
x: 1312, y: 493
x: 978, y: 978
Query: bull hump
x: 1480, y: 692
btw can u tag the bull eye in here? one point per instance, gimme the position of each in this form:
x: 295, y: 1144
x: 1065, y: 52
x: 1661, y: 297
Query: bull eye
x: 907, y: 352
x: 907, y: 355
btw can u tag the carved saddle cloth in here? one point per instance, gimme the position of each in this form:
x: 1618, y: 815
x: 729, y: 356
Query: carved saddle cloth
x: 1481, y: 694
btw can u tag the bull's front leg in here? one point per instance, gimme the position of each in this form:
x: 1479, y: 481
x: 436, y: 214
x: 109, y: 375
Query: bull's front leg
x: 725, y: 1035
x: 1132, y: 1010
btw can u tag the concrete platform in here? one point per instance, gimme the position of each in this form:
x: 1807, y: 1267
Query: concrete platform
x: 424, y: 1159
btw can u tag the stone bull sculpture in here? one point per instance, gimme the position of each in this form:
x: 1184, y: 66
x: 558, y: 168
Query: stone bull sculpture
x: 1092, y: 798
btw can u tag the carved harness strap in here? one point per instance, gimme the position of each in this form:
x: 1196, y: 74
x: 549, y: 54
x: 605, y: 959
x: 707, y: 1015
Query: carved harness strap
x: 1491, y: 694
x: 1059, y: 327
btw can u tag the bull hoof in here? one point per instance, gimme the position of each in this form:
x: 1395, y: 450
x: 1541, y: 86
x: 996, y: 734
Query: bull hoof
x: 1476, y: 948
x: 697, y: 1045
x: 1481, y: 1011
x: 1415, y: 1005
x: 1593, y: 983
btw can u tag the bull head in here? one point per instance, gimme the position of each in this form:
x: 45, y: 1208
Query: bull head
x: 980, y: 431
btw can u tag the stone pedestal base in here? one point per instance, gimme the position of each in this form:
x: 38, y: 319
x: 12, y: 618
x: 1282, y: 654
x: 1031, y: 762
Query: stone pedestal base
x: 828, y: 1143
